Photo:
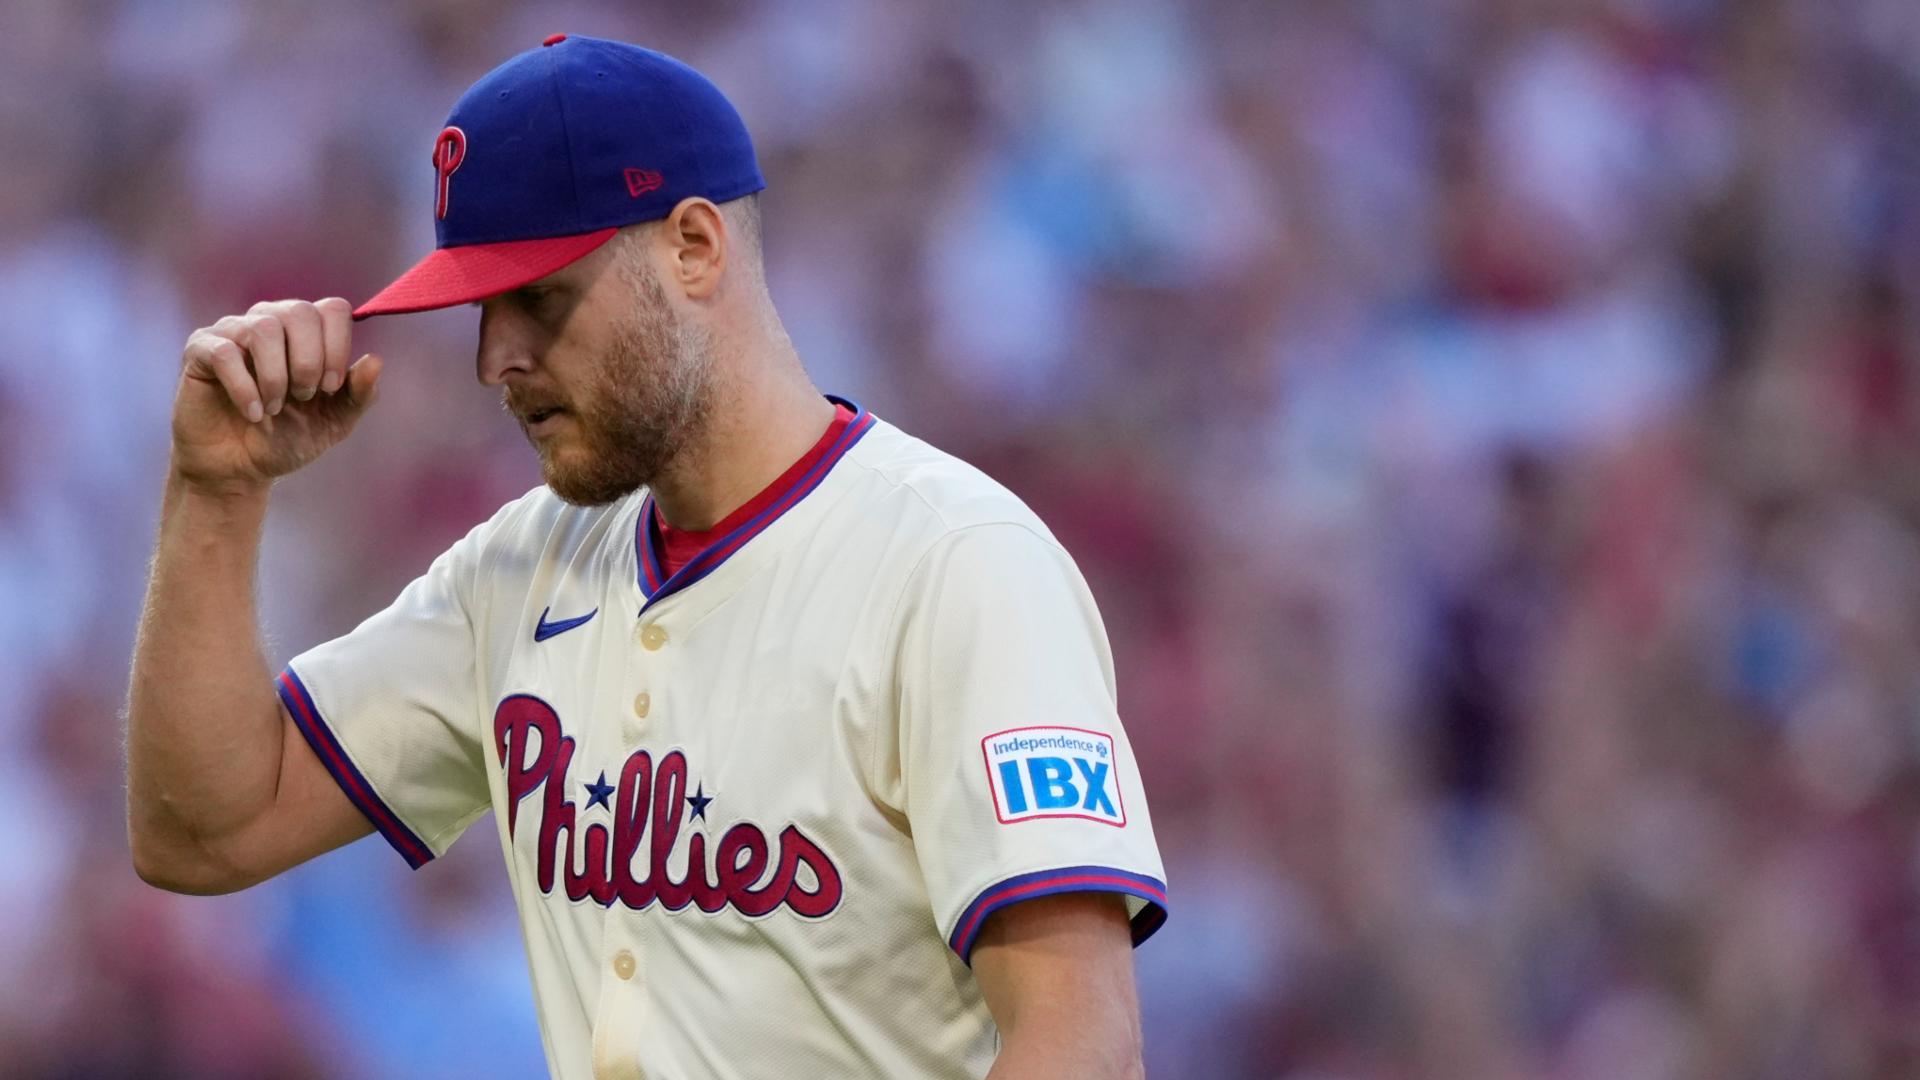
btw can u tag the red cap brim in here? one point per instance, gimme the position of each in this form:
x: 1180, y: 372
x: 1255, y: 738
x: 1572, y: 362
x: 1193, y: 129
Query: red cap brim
x: 461, y: 275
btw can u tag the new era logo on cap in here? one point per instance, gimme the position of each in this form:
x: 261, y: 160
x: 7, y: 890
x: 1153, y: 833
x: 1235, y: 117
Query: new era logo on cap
x: 641, y: 181
x: 544, y: 148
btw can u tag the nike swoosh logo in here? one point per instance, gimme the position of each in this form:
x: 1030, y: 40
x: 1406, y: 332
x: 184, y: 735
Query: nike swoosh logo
x: 546, y: 629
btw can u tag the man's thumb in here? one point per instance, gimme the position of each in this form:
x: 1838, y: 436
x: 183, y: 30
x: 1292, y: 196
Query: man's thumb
x: 363, y: 380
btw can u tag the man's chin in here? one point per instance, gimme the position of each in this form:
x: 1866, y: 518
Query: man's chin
x: 586, y: 487
x: 577, y: 492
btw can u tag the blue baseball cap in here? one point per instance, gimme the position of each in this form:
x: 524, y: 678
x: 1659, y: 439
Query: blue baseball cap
x: 550, y: 153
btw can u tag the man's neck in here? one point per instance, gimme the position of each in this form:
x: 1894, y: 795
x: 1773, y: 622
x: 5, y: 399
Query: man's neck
x: 760, y: 424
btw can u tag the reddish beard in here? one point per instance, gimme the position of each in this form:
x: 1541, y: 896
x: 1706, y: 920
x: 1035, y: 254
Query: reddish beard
x: 638, y: 406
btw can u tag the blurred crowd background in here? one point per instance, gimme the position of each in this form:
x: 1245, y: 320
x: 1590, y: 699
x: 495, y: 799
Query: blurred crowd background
x: 1491, y: 429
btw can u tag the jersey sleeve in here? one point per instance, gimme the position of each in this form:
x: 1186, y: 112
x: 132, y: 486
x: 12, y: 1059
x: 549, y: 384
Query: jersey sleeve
x: 390, y: 709
x: 1017, y: 776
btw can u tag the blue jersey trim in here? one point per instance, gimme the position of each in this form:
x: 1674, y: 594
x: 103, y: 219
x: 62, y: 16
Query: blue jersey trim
x: 1067, y: 879
x: 306, y: 716
x: 717, y: 553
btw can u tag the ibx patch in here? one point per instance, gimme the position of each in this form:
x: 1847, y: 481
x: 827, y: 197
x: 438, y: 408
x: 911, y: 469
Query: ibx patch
x: 1053, y: 772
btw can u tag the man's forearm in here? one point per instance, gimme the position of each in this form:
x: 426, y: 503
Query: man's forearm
x: 203, y: 727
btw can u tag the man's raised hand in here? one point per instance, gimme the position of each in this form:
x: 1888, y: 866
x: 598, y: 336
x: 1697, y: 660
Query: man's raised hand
x: 264, y: 393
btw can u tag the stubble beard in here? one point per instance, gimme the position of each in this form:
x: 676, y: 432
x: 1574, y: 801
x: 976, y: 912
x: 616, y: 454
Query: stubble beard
x: 641, y: 406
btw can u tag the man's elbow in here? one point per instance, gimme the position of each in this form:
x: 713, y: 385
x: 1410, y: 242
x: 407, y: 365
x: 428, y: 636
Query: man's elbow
x: 178, y: 869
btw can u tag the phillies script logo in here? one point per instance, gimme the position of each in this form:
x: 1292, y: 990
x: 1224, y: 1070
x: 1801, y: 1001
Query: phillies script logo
x: 601, y: 860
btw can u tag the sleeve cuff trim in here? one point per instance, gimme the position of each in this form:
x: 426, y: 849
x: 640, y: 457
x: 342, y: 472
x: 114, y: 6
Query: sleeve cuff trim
x: 1064, y: 880
x: 306, y: 716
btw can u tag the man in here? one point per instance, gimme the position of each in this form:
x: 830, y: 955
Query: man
x: 800, y: 734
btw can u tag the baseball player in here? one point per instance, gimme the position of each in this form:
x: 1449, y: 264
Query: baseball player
x: 799, y: 734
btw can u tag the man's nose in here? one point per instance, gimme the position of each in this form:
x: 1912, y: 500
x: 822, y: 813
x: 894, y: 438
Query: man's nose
x: 503, y: 345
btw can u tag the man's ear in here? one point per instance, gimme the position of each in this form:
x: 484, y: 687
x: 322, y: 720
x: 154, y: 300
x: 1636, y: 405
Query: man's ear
x: 697, y: 241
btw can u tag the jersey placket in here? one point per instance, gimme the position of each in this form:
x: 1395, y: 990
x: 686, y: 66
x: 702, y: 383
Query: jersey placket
x: 623, y: 1013
x: 667, y: 619
x: 620, y: 1021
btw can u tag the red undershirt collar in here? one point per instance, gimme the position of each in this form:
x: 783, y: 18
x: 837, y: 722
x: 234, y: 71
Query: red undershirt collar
x: 676, y: 547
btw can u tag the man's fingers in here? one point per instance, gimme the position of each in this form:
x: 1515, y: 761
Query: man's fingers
x: 228, y: 365
x: 266, y: 343
x: 306, y: 355
x: 336, y: 329
x: 284, y: 348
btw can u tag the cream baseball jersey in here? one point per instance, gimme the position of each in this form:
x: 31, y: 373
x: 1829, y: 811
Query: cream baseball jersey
x: 754, y: 812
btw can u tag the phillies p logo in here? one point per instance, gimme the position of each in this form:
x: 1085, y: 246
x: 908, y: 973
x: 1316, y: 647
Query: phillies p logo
x: 449, y: 150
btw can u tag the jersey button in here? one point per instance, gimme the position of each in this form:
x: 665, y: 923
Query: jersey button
x: 623, y: 964
x: 652, y: 637
x: 642, y: 702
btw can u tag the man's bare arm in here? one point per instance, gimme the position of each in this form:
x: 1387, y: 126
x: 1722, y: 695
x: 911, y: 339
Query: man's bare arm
x: 222, y: 791
x: 1057, y: 973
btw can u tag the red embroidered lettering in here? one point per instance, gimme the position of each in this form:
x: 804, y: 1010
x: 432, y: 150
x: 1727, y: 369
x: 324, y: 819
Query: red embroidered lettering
x: 647, y: 818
